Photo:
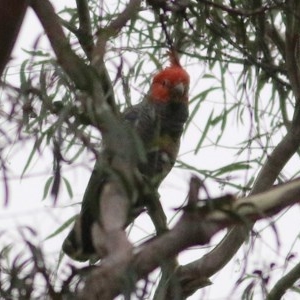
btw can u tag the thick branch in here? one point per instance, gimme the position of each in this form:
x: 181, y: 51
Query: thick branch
x: 84, y: 16
x: 284, y: 283
x: 119, y: 189
x: 225, y: 250
x: 195, y: 227
x: 11, y: 16
x: 292, y: 45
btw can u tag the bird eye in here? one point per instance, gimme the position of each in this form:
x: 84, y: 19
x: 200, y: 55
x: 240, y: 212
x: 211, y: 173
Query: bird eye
x: 164, y: 82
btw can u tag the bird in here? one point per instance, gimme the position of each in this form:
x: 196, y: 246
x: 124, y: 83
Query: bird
x: 158, y: 121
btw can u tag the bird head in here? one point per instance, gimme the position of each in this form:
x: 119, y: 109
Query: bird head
x: 171, y: 84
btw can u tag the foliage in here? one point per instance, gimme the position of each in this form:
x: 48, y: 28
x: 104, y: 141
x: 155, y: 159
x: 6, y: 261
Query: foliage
x: 244, y: 101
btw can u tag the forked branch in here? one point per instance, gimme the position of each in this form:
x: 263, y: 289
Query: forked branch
x: 195, y: 227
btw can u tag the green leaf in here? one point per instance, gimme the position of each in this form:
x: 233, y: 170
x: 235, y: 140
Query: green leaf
x: 204, y: 133
x: 138, y: 69
x: 61, y: 228
x: 23, y: 78
x: 156, y: 61
x: 36, y: 53
x: 68, y: 186
x: 209, y: 174
x: 31, y: 155
x: 209, y: 76
x: 232, y: 167
x: 199, y: 98
x: 47, y: 187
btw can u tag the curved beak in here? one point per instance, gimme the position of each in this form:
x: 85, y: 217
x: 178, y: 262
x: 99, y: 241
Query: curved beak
x: 179, y: 89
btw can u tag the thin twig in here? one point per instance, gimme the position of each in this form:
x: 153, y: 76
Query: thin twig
x: 70, y: 62
x: 113, y: 29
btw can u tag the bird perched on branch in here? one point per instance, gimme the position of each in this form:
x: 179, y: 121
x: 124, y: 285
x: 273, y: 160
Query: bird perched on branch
x: 159, y: 122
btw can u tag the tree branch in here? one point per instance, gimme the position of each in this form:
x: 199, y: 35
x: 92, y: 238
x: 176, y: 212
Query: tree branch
x: 119, y: 190
x: 284, y: 283
x: 195, y: 227
x: 11, y: 15
x: 99, y: 50
x: 113, y: 29
x: 292, y: 36
x: 201, y: 225
x: 215, y: 260
x: 84, y: 33
x: 69, y: 61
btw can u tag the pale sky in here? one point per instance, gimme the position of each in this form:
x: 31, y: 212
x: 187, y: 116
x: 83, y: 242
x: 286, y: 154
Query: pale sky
x: 27, y: 208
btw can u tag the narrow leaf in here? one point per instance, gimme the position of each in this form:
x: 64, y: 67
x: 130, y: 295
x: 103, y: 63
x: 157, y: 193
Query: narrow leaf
x: 68, y: 187
x: 61, y: 228
x: 47, y: 187
x: 203, y: 136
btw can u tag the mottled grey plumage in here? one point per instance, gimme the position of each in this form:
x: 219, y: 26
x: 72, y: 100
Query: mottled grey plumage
x: 159, y: 124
